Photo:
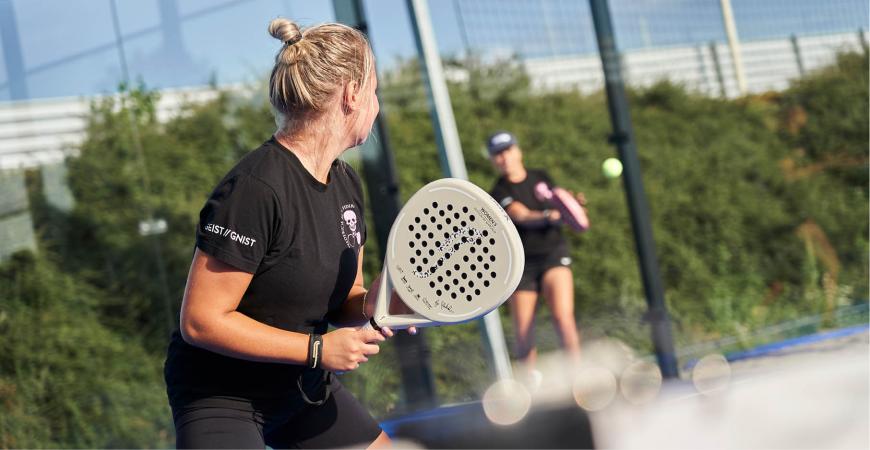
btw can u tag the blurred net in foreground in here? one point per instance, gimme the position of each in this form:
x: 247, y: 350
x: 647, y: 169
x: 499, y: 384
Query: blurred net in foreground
x: 814, y: 396
x: 848, y: 316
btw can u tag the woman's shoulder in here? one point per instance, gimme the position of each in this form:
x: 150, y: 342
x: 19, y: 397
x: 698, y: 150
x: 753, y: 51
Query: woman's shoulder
x: 536, y: 174
x: 500, y: 182
x: 263, y: 164
x: 343, y: 170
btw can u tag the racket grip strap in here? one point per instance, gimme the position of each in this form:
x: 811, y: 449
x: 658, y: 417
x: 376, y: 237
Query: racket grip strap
x: 373, y: 324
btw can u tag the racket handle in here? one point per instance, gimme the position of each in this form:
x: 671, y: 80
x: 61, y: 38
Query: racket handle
x: 369, y: 325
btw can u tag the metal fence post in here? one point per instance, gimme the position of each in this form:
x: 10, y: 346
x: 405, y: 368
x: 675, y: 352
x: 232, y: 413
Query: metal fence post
x: 702, y: 69
x: 734, y: 45
x: 795, y: 47
x: 450, y: 151
x: 862, y: 41
x: 623, y: 137
x: 418, y: 381
x: 718, y: 66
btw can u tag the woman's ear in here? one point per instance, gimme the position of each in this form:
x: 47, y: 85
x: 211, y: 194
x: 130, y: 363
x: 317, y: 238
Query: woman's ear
x: 352, y: 97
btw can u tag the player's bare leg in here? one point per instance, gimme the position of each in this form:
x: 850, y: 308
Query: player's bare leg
x: 557, y: 285
x: 522, y: 304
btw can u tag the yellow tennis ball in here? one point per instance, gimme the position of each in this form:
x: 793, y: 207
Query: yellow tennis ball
x: 611, y: 167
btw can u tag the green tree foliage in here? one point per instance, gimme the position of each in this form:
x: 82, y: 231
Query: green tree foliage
x: 759, y: 210
x: 824, y: 121
x: 727, y: 213
x: 65, y: 379
x: 133, y: 167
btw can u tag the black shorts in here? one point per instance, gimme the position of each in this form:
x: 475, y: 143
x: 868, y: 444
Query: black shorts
x: 224, y: 422
x: 536, y: 266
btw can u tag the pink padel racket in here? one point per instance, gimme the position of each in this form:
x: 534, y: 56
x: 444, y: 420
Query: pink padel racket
x: 571, y: 211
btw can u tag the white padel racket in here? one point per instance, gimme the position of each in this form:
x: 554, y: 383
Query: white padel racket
x: 453, y: 255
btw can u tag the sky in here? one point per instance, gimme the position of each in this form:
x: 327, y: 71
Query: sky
x: 68, y: 47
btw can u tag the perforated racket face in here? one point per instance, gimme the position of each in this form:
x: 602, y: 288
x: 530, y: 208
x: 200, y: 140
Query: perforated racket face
x: 454, y: 254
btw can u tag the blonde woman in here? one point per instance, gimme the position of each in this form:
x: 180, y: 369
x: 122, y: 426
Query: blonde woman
x: 548, y: 261
x: 278, y: 258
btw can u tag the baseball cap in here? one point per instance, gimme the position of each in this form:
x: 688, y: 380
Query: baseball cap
x: 500, y: 141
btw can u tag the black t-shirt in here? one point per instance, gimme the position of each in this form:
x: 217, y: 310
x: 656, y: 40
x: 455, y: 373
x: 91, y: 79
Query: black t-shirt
x: 541, y: 239
x: 299, y: 238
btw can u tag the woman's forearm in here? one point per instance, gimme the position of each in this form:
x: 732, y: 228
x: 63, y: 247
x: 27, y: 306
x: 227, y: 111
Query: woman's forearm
x: 239, y: 336
x: 351, y: 313
x: 531, y: 219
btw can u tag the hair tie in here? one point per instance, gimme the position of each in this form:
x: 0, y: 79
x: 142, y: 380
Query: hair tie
x: 292, y: 41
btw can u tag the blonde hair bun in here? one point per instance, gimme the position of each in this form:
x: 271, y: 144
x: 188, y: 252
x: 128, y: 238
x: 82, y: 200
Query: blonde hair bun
x: 284, y: 30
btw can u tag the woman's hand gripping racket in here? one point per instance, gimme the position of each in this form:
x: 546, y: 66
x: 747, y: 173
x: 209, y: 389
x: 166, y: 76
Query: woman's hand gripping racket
x: 453, y: 255
x: 570, y: 210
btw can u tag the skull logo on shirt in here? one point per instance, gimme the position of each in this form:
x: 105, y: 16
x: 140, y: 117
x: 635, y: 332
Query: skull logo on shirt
x: 350, y: 226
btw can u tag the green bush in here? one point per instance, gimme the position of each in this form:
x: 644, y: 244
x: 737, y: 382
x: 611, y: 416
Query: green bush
x: 759, y: 209
x: 65, y: 379
x: 127, y: 174
x: 727, y: 209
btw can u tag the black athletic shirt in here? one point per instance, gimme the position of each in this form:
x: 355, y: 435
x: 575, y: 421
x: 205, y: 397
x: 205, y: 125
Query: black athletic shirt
x: 300, y: 238
x: 538, y: 240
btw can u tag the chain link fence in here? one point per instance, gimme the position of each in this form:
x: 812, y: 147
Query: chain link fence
x: 684, y: 42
